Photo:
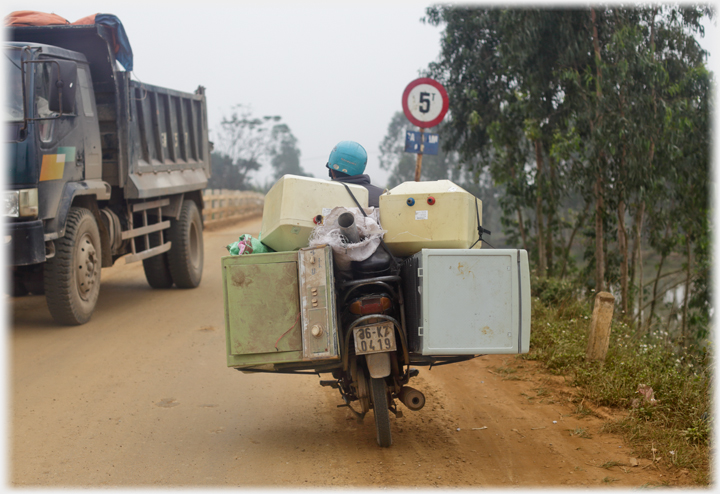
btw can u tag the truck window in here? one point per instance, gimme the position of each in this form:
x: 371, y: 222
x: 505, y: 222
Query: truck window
x: 42, y: 90
x: 84, y: 83
x: 13, y: 106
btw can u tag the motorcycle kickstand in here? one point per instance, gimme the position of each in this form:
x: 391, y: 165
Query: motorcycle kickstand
x: 398, y: 413
x: 358, y: 416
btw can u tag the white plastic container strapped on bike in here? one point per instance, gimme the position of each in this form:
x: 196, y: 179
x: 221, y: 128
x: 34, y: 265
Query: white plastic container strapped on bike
x: 429, y: 215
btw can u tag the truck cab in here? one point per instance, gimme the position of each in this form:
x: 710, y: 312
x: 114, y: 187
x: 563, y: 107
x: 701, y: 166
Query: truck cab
x: 98, y: 167
x: 53, y: 140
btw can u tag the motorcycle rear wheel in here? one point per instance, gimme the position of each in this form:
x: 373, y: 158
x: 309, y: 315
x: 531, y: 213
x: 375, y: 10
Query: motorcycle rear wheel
x: 378, y: 388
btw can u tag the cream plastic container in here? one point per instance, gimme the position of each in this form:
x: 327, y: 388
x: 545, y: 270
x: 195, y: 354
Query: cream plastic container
x: 292, y: 204
x: 429, y: 215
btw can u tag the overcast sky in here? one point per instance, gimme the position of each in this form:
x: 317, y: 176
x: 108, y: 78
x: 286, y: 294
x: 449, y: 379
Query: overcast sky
x: 333, y: 71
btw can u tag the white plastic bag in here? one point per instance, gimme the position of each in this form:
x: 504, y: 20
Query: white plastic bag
x: 328, y: 233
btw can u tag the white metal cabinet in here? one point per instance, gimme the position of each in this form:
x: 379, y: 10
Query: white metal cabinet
x: 468, y: 302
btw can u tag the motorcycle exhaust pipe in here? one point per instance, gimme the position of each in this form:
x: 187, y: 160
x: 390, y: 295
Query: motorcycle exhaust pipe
x: 348, y: 228
x: 412, y: 398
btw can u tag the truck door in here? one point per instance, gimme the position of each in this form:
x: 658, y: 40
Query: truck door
x: 87, y: 114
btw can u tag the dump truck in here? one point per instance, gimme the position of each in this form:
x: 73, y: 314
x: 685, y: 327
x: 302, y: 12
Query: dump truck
x: 97, y: 167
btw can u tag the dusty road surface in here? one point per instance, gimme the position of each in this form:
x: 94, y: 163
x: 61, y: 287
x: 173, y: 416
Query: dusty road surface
x: 140, y: 396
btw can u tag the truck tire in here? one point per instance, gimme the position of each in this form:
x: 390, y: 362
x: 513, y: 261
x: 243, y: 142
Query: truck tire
x: 157, y: 270
x: 72, y: 276
x: 185, y: 257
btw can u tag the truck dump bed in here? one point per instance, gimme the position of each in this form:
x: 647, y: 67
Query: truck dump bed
x: 167, y: 149
x: 154, y: 140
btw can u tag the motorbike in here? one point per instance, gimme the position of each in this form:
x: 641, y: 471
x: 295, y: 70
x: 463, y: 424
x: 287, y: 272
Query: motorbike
x: 375, y: 347
x: 376, y: 352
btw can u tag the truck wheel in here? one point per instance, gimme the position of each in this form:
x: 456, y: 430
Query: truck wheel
x: 157, y: 270
x: 185, y: 257
x: 72, y: 277
x: 378, y: 388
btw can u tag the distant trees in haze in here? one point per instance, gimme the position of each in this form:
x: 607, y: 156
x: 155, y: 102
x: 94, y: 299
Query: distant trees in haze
x: 245, y: 143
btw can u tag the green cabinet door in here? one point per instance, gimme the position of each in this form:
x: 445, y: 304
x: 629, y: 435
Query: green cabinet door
x: 262, y: 309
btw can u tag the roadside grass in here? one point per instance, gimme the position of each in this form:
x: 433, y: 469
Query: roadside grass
x: 506, y: 373
x: 580, y: 432
x: 674, y: 430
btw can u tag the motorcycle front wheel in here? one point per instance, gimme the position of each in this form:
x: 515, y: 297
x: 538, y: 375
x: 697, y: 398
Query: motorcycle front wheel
x: 378, y: 388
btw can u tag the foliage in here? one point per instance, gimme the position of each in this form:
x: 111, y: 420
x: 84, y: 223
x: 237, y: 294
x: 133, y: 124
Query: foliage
x: 593, y: 127
x: 285, y: 153
x: 246, y: 143
x: 560, y: 293
x: 228, y: 175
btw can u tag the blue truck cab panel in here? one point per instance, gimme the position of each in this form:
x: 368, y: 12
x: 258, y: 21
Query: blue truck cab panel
x: 47, y: 150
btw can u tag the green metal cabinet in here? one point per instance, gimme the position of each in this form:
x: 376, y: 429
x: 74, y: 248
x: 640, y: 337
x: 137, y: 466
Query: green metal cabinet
x: 279, y: 308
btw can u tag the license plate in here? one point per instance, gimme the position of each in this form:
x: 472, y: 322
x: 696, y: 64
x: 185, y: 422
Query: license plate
x: 374, y: 338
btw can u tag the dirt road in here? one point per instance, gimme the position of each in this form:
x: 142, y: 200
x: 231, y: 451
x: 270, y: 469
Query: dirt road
x: 141, y: 396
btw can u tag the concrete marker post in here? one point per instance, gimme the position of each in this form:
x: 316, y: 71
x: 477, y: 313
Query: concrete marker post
x: 599, y: 337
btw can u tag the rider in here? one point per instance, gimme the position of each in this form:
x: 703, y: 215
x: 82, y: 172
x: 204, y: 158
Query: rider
x: 347, y: 163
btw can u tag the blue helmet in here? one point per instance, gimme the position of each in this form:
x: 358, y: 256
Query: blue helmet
x: 348, y: 157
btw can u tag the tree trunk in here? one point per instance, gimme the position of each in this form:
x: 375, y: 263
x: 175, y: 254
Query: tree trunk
x: 686, y: 297
x: 606, y: 257
x: 622, y: 232
x: 542, y: 266
x: 599, y: 252
x: 648, y: 322
x: 622, y: 245
x: 663, y: 256
x: 551, y: 219
x: 599, y: 235
x: 549, y: 244
x: 521, y: 226
x: 596, y: 47
x: 637, y: 254
x: 578, y: 223
x: 670, y: 316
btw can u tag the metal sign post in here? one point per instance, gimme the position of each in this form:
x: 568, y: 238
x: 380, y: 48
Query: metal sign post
x: 425, y: 103
x: 418, y: 162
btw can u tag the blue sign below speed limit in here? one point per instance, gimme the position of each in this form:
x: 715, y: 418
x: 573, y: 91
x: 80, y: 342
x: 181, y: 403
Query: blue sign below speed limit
x: 413, y: 141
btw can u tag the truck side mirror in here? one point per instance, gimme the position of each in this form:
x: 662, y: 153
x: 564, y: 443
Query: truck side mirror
x: 63, y: 81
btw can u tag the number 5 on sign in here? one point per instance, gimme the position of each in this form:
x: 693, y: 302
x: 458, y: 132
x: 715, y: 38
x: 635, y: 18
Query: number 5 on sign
x: 425, y: 102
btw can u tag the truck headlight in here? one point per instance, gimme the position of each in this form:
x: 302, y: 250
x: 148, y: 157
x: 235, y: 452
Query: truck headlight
x: 21, y: 203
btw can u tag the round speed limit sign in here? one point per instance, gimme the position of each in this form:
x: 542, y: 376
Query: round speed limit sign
x: 425, y: 102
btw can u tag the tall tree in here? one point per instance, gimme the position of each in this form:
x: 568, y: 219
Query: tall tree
x: 285, y: 153
x: 601, y: 106
x: 245, y: 143
x: 499, y: 68
x: 227, y: 174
